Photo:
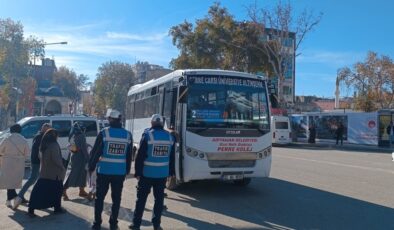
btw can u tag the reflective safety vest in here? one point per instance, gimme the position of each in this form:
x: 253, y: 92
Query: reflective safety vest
x: 156, y: 165
x: 116, y: 142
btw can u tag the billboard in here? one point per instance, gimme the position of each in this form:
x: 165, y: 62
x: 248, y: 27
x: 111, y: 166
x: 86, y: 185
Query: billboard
x: 326, y: 125
x: 363, y: 128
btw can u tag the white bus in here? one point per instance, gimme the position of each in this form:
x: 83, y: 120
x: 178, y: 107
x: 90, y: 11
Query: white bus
x: 223, y: 118
x: 281, y: 130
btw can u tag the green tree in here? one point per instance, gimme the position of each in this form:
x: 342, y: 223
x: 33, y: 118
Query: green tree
x: 70, y: 82
x: 110, y: 88
x: 218, y: 41
x: 372, y: 80
x: 15, y: 53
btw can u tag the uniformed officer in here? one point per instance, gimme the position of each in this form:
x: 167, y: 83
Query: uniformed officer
x: 155, y: 162
x: 112, y: 154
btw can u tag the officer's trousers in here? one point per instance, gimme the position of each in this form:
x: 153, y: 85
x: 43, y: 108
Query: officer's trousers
x: 103, y: 183
x: 144, y: 186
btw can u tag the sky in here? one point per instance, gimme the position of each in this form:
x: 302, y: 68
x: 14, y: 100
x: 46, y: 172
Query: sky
x: 134, y: 30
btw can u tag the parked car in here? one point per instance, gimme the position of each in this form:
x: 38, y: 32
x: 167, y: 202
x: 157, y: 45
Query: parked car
x: 63, y: 124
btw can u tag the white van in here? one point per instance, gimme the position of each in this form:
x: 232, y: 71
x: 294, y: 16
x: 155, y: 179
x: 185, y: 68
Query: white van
x: 62, y: 124
x: 281, y: 130
x: 103, y: 123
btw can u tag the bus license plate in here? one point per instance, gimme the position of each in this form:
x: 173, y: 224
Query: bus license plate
x: 232, y: 177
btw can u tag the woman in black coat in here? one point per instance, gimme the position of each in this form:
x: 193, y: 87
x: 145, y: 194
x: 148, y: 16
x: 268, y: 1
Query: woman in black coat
x: 47, y: 192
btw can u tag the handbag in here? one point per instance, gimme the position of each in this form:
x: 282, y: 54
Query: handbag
x: 72, y: 146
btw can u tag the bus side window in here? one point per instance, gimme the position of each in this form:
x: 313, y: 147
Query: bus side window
x: 167, y: 110
x: 183, y: 91
x: 173, y: 106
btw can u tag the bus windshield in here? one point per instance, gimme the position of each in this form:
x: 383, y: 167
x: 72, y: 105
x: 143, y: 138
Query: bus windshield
x: 227, y: 102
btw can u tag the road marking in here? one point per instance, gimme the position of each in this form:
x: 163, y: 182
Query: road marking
x: 339, y: 164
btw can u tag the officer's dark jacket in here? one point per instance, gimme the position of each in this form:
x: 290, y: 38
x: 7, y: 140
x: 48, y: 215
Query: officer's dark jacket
x: 142, y: 154
x: 97, y: 150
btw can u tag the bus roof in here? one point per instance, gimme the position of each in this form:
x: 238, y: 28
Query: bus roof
x: 179, y: 73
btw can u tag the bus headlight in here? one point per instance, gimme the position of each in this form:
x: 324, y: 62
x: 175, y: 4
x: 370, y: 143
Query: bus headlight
x: 194, y: 153
x: 264, y: 153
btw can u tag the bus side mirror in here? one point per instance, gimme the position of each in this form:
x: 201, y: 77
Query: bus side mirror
x: 183, y: 91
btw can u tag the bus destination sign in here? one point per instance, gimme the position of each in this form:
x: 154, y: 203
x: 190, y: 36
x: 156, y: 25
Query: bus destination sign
x: 225, y: 80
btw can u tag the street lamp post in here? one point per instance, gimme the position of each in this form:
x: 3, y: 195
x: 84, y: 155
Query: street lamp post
x: 46, y: 44
x: 55, y: 43
x: 49, y: 43
x: 18, y: 93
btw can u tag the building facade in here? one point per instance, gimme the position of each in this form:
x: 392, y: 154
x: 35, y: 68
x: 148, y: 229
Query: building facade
x: 49, y: 98
x: 144, y: 71
x: 286, y: 88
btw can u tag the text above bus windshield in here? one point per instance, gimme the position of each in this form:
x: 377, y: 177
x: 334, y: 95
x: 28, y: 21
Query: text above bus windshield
x: 223, y: 80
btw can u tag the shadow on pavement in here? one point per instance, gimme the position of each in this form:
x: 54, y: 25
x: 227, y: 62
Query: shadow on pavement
x: 50, y: 221
x: 195, y: 223
x: 278, y: 204
x: 125, y: 214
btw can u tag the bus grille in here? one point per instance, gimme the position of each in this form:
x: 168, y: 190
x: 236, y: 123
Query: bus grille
x: 231, y: 164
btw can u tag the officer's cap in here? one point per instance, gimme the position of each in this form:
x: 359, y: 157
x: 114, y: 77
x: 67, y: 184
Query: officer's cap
x: 113, y: 113
x: 157, y: 119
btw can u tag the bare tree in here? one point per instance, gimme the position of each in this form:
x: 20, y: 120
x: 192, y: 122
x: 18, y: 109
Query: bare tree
x: 372, y: 80
x: 282, y: 34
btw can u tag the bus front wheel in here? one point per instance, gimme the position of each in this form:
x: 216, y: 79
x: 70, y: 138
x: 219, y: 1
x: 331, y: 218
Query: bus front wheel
x: 243, y: 182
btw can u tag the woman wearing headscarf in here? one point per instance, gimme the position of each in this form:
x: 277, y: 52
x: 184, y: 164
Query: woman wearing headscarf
x: 13, y: 151
x: 79, y: 160
x: 47, y: 192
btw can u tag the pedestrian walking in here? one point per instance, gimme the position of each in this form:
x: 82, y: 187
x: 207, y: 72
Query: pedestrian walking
x: 176, y: 138
x: 13, y: 151
x: 339, y: 133
x: 92, y: 180
x: 174, y: 134
x: 34, y: 167
x: 390, y: 132
x: 153, y: 164
x: 47, y: 192
x: 79, y: 160
x: 111, y: 153
x: 312, y: 134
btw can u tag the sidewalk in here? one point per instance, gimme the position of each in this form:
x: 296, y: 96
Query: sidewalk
x: 345, y: 146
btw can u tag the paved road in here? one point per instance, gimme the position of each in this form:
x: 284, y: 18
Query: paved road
x: 309, y: 188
